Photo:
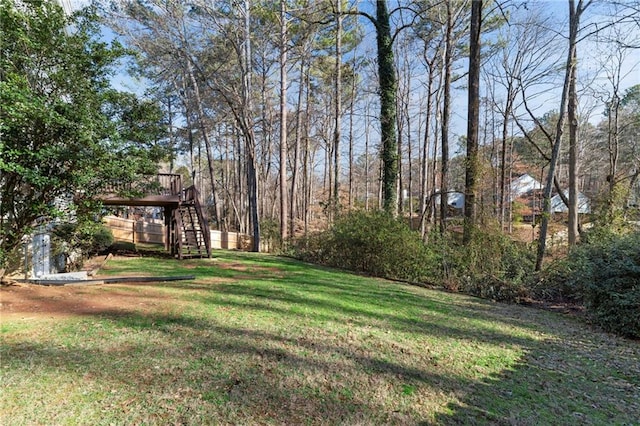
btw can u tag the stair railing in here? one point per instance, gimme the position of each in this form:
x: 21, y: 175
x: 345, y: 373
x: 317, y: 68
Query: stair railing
x: 192, y: 194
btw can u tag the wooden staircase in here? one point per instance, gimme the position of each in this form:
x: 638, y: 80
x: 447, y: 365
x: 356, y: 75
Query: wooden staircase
x: 187, y: 230
x: 190, y: 236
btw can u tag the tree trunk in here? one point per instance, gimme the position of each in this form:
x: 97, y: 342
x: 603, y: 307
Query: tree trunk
x: 434, y: 167
x: 613, y: 148
x: 250, y: 146
x: 388, y: 88
x: 444, y: 191
x: 337, y: 135
x: 573, y: 157
x: 424, y: 187
x: 410, y: 164
x: 207, y: 142
x: 351, y: 115
x: 570, y: 69
x: 284, y: 215
x: 504, y: 195
x: 307, y: 169
x: 400, y: 132
x: 472, y: 168
x: 296, y: 152
x: 366, y: 157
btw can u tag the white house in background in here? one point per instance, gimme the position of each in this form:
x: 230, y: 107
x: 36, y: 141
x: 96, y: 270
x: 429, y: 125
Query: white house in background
x: 557, y: 206
x: 454, y: 199
x: 522, y: 185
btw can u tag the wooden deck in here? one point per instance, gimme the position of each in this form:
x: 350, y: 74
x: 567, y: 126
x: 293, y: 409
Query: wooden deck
x: 187, y: 230
x: 161, y: 190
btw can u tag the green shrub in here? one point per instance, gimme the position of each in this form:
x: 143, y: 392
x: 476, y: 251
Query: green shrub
x: 555, y: 283
x: 491, y: 266
x: 603, y: 273
x: 564, y: 279
x: 374, y: 243
x: 270, y: 235
x: 310, y: 248
x: 608, y: 275
x: 86, y: 237
x: 11, y: 260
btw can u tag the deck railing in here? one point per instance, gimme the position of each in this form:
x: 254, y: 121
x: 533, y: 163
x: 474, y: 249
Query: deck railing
x: 165, y: 184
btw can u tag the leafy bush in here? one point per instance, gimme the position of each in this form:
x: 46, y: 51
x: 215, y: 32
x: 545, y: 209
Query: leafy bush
x: 374, y: 243
x: 491, y: 266
x: 564, y: 279
x: 607, y: 275
x: 270, y: 234
x: 555, y: 283
x: 11, y: 260
x: 86, y: 237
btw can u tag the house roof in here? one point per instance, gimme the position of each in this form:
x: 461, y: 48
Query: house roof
x: 558, y: 206
x: 521, y: 185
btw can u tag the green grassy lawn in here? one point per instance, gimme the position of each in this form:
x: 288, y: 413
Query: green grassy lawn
x: 258, y: 339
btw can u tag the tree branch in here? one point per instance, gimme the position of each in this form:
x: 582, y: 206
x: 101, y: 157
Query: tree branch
x: 535, y: 119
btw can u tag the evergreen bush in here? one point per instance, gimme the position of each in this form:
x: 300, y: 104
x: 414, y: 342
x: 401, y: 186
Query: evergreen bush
x: 374, y: 243
x: 607, y: 273
x: 270, y: 235
x: 603, y: 273
x: 86, y: 237
x: 491, y: 266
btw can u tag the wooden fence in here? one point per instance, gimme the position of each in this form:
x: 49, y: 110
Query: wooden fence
x: 153, y: 232
x: 230, y: 240
x: 136, y: 231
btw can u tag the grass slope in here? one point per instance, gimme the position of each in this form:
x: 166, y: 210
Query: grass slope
x: 257, y: 339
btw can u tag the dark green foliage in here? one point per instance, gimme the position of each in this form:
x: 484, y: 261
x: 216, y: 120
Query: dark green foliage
x: 89, y: 237
x: 605, y: 274
x: 374, y: 243
x: 270, y: 235
x: 491, y: 266
x: 554, y: 283
x: 65, y: 132
x: 77, y: 241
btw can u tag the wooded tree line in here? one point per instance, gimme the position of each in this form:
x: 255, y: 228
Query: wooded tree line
x: 285, y: 113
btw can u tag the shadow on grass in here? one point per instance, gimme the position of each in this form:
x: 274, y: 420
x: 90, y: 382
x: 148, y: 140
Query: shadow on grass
x: 250, y: 375
x: 579, y: 378
x: 323, y: 311
x: 264, y: 376
x: 246, y: 373
x: 570, y: 373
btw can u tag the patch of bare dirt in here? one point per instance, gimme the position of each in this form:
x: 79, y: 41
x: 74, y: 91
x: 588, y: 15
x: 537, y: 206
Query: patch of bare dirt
x: 252, y: 271
x: 39, y: 302
x: 20, y: 300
